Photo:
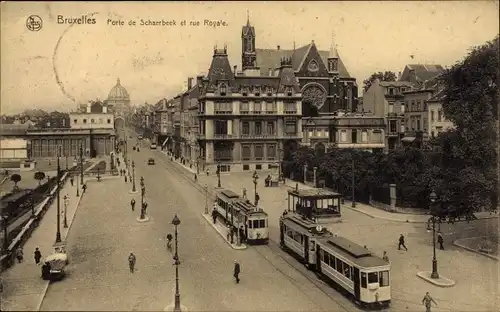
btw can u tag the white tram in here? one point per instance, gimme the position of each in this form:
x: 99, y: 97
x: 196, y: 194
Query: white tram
x: 351, y: 267
x: 240, y: 212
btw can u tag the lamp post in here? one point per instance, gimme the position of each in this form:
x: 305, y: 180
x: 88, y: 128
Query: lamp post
x: 177, y: 299
x: 81, y: 163
x: 32, y: 206
x: 58, y: 233
x: 218, y: 174
x: 305, y: 173
x: 65, y: 221
x: 143, y: 192
x: 133, y: 177
x: 255, y: 177
x: 353, y: 190
x: 280, y: 156
x: 434, y: 274
x: 238, y: 219
x: 206, y: 199
x: 77, y: 187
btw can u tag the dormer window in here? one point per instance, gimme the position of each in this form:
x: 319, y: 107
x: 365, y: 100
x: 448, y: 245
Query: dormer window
x: 269, y: 90
x: 222, y: 89
x: 288, y: 91
x: 244, y: 91
x: 256, y: 91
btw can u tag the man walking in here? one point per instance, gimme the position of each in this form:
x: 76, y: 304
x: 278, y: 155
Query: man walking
x: 440, y: 241
x: 214, y: 215
x: 427, y: 302
x: 402, y: 242
x: 38, y: 256
x: 385, y: 257
x: 19, y: 254
x: 131, y: 262
x: 237, y: 271
x: 132, y: 204
x: 72, y: 180
x: 208, y: 172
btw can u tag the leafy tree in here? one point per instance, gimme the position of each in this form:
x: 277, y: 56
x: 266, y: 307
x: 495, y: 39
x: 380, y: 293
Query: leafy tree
x: 382, y: 76
x: 469, y: 151
x: 40, y: 176
x: 16, y: 178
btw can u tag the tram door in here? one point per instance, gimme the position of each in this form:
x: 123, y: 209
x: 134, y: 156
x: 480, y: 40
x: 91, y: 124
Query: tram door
x: 356, y: 282
x: 282, y: 233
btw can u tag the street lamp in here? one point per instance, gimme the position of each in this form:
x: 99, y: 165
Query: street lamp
x: 280, y: 153
x: 65, y: 221
x: 143, y: 193
x: 255, y: 177
x: 206, y: 199
x: 238, y: 218
x: 353, y: 190
x: 434, y: 274
x: 133, y: 177
x: 218, y: 174
x: 58, y: 233
x: 81, y: 164
x: 77, y: 187
x: 177, y: 306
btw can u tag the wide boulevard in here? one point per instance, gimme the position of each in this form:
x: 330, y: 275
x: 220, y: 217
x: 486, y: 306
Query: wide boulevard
x: 106, y: 231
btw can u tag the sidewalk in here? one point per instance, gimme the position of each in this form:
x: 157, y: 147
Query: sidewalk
x: 222, y: 230
x: 23, y: 287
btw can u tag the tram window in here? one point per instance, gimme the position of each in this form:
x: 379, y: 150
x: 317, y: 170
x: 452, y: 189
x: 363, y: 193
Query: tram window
x: 255, y: 224
x: 289, y: 233
x: 332, y: 261
x: 325, y: 257
x: 347, y: 271
x: 384, y: 278
x: 363, y: 279
x: 262, y: 223
x: 250, y: 224
x: 313, y: 246
x: 339, y: 265
x: 372, y: 277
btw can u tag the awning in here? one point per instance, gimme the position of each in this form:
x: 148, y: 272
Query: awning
x: 408, y: 139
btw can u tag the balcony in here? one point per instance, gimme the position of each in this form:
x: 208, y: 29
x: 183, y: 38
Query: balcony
x: 271, y: 112
x: 290, y: 112
x: 258, y: 136
x: 223, y: 112
x: 223, y: 136
x: 292, y: 135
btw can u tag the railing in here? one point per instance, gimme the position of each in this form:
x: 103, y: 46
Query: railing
x: 222, y: 136
x: 223, y: 112
x: 290, y: 112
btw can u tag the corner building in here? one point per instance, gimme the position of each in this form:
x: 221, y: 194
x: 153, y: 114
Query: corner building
x: 247, y: 120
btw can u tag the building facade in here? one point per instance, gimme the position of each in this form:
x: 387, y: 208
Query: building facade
x: 247, y: 118
x: 118, y: 100
x: 351, y: 130
x: 95, y: 116
x: 416, y: 115
x: 437, y: 120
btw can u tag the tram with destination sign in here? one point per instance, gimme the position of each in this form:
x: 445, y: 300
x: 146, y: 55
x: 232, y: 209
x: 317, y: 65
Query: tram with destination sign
x: 349, y: 267
x: 241, y: 213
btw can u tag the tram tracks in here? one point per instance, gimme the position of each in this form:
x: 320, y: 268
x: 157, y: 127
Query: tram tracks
x: 272, y: 247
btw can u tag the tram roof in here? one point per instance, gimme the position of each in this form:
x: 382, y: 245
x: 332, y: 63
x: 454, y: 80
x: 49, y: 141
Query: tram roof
x: 246, y: 206
x: 300, y: 224
x: 314, y: 193
x: 229, y: 194
x: 352, y: 251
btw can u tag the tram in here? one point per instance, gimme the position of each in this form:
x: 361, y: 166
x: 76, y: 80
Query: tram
x: 350, y: 267
x: 240, y: 212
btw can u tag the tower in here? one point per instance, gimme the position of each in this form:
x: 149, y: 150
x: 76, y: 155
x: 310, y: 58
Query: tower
x: 333, y: 58
x: 248, y: 54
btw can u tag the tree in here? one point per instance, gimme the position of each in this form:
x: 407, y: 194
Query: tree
x: 16, y: 178
x: 382, y: 76
x: 40, y: 176
x: 469, y: 151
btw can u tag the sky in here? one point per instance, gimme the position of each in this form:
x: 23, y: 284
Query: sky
x: 154, y: 62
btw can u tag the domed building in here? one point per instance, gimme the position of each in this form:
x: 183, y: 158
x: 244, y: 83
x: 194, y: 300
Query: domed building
x: 118, y: 99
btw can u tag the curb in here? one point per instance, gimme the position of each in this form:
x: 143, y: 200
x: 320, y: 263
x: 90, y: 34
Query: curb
x: 446, y: 284
x: 474, y: 250
x: 146, y: 219
x: 234, y: 246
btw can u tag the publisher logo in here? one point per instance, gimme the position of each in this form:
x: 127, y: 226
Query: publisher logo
x: 34, y: 23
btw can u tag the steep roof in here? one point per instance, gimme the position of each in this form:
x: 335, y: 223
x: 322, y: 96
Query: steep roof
x: 270, y: 58
x: 438, y: 97
x: 220, y: 69
x: 423, y: 72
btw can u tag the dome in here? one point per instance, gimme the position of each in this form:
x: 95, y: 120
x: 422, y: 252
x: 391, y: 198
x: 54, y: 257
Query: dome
x: 118, y: 92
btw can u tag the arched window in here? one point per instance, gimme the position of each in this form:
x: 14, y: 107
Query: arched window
x: 249, y: 44
x: 84, y: 121
x: 92, y: 120
x: 222, y: 89
x: 364, y: 136
x: 109, y: 121
x: 75, y: 121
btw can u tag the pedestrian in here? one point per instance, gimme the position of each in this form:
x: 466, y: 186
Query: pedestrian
x: 132, y: 204
x: 440, y: 241
x: 214, y: 215
x: 84, y: 187
x: 195, y: 177
x: 402, y: 242
x: 237, y: 270
x: 72, y: 180
x: 242, y: 235
x: 257, y: 198
x: 125, y: 179
x: 19, y: 254
x: 244, y: 193
x: 427, y: 302
x: 38, y: 256
x: 385, y: 257
x: 208, y: 172
x: 131, y: 262
x: 228, y: 234
x: 285, y: 212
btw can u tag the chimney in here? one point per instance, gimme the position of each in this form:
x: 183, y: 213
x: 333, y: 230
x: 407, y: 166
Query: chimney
x: 235, y: 68
x: 199, y: 81
x: 190, y: 83
x: 278, y: 47
x: 105, y: 109
x: 270, y: 71
x: 399, y: 76
x: 88, y: 108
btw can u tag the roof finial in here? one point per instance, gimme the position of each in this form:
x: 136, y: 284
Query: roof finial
x: 294, y: 45
x: 118, y: 81
x: 333, y: 47
x: 248, y: 18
